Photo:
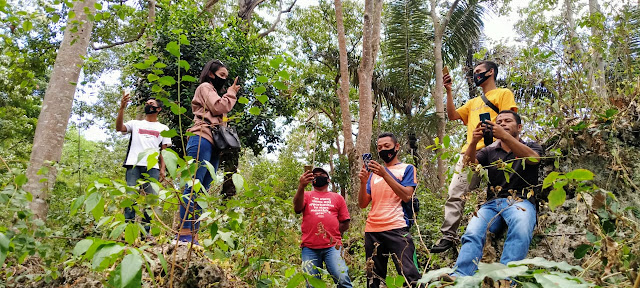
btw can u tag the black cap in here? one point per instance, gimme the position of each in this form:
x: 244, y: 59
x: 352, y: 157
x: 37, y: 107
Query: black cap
x: 319, y: 169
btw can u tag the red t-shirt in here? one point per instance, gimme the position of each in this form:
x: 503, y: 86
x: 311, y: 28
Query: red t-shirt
x: 321, y: 216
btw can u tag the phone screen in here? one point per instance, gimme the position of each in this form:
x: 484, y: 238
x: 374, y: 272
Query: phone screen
x: 307, y: 168
x: 366, y: 158
x: 485, y: 117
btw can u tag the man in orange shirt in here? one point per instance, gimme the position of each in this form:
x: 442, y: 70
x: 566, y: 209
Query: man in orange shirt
x: 495, y: 100
x: 387, y: 229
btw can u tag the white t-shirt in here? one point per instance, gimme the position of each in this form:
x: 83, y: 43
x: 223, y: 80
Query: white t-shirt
x: 144, y: 135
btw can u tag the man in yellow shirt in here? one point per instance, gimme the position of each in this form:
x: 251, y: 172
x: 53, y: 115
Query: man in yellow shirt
x: 484, y: 76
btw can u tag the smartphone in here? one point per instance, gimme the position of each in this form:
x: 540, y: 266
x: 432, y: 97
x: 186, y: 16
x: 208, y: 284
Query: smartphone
x: 127, y: 91
x: 445, y: 70
x: 485, y: 117
x: 307, y: 168
x: 366, y: 158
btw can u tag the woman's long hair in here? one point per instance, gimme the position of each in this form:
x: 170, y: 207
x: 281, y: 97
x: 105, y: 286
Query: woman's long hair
x: 212, y: 66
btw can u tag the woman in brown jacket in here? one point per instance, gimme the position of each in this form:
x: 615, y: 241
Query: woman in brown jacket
x: 209, y: 109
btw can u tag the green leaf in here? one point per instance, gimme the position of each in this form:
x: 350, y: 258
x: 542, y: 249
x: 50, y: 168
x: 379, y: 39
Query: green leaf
x: 130, y: 233
x: 243, y: 100
x: 582, y: 250
x: 155, y: 88
x: 173, y: 48
x: 295, y: 280
x: 20, y: 180
x: 189, y: 78
x: 275, y: 62
x: 131, y: 271
x: 72, y: 14
x: 76, y: 205
x: 497, y: 271
x: 280, y: 85
x: 541, y: 262
x: 170, y: 158
x: 255, y: 110
x: 166, y: 81
x: 548, y: 181
x: 55, y: 18
x: 141, y: 66
x: 4, y: 247
x: 152, y: 77
x: 262, y: 79
x: 557, y: 196
x: 103, y: 253
x: 160, y: 65
x: 98, y: 211
x: 284, y: 75
x: 580, y: 175
x: 163, y: 262
x: 551, y: 280
x: 259, y: 89
x: 184, y: 64
x: 262, y: 98
x: 169, y: 133
x: 82, y: 246
x: 152, y: 160
x: 184, y: 40
x: 92, y: 201
x: 115, y: 233
x: 213, y: 229
x: 238, y: 181
x: 434, y: 274
x: 27, y: 25
x: 98, y: 6
x: 178, y: 110
x: 315, y: 282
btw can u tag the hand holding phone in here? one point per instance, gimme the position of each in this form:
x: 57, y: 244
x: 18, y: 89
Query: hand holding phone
x: 488, y: 130
x: 366, y: 158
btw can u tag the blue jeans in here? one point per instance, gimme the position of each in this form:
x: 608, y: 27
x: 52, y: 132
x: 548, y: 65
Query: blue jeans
x: 312, y: 258
x: 520, y: 222
x: 134, y: 173
x: 207, y: 153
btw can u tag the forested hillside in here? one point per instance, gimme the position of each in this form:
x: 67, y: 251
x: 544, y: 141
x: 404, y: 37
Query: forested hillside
x: 317, y: 81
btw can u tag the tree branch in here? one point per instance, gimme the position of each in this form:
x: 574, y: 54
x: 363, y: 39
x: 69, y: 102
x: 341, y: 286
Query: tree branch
x: 136, y: 38
x: 275, y: 23
x: 446, y: 19
x: 207, y: 7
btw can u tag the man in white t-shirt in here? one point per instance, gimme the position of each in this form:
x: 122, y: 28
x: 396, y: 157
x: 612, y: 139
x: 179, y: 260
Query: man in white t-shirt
x: 145, y: 135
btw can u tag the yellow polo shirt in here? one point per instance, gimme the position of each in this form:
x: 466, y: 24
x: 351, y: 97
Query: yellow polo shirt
x: 470, y: 111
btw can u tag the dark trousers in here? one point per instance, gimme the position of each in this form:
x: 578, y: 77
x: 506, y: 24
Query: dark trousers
x: 396, y: 243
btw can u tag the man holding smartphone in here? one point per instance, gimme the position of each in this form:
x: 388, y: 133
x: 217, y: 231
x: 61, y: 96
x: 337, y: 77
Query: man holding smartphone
x: 492, y: 101
x: 324, y: 218
x: 386, y: 233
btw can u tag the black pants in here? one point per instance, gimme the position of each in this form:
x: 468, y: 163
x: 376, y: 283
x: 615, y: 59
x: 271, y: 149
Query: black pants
x: 396, y: 243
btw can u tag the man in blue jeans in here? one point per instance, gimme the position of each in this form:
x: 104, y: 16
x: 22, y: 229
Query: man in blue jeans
x: 145, y: 136
x: 324, y: 218
x: 508, y: 204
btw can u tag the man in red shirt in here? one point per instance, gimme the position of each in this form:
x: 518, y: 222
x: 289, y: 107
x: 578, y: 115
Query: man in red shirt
x: 324, y: 218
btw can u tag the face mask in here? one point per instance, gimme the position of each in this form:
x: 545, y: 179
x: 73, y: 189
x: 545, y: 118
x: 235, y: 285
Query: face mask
x: 479, y: 78
x: 320, y: 181
x: 388, y: 155
x: 150, y: 109
x: 218, y: 82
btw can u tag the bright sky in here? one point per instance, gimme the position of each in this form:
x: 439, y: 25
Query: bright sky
x: 497, y: 29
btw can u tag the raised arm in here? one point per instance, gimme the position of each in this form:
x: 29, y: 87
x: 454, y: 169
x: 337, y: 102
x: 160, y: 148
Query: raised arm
x: 120, y: 119
x: 363, y: 197
x: 298, y: 199
x: 452, y: 114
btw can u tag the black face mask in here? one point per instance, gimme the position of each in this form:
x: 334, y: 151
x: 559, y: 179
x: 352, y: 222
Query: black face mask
x: 479, y: 78
x: 150, y: 109
x: 218, y: 82
x: 388, y: 155
x: 320, y: 181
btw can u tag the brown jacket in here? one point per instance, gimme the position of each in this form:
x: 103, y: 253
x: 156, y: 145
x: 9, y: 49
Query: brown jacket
x: 208, y: 105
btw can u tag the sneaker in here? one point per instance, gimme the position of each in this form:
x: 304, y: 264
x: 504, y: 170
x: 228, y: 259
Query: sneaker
x: 443, y: 245
x: 185, y: 240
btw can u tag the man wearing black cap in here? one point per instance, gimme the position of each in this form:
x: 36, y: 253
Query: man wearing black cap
x: 324, y: 218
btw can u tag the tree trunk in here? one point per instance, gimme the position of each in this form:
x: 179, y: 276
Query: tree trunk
x: 370, y: 46
x: 439, y: 26
x: 343, y: 96
x: 468, y: 72
x: 150, y: 20
x: 56, y: 107
x: 597, y: 64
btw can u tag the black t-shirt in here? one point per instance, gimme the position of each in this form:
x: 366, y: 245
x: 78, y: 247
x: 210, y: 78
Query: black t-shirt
x: 521, y: 181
